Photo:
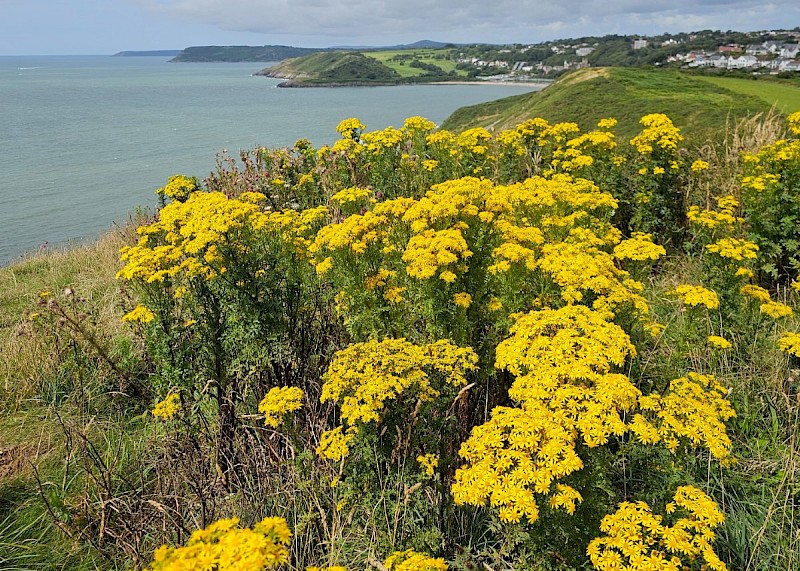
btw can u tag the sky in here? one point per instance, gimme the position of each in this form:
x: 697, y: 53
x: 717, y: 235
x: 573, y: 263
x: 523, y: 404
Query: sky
x: 34, y: 27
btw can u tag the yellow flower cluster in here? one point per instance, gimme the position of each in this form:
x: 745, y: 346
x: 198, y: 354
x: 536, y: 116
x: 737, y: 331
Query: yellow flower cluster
x: 351, y: 194
x: 178, y: 187
x: 168, y: 408
x: 224, y: 547
x: 140, y: 314
x: 429, y: 463
x: 637, y: 539
x: 734, y: 249
x: 724, y: 218
x: 790, y: 342
x: 794, y: 122
x: 719, y: 342
x: 418, y: 124
x: 350, y: 128
x: 573, y: 342
x: 557, y: 227
x: 518, y: 452
x: 756, y: 292
x: 435, y: 250
x: 334, y: 443
x: 191, y: 238
x: 694, y: 296
x: 694, y: 410
x: 563, y: 360
x: 364, y: 376
x: 410, y: 560
x: 279, y: 401
x: 776, y: 309
x: 659, y: 132
x: 639, y: 247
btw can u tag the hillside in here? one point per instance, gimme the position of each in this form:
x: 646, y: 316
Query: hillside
x: 332, y: 68
x: 783, y: 94
x: 240, y: 53
x: 585, y: 96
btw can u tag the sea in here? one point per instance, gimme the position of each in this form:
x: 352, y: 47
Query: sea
x: 86, y: 140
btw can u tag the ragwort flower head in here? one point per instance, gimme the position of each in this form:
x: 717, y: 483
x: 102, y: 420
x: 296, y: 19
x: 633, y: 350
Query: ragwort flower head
x: 224, y: 547
x: 168, y: 408
x: 694, y: 296
x: 278, y: 402
x: 636, y: 538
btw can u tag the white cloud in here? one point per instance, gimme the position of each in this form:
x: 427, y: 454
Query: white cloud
x: 475, y: 20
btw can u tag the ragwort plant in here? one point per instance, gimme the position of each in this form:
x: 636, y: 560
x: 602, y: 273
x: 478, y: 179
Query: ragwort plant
x: 494, y: 300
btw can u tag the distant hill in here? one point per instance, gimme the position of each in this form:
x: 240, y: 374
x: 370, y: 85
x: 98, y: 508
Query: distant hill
x: 159, y: 53
x: 585, y: 96
x: 241, y: 53
x: 331, y: 69
x: 422, y: 44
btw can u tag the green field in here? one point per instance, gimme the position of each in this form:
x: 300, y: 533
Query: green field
x: 585, y: 96
x: 399, y: 60
x: 784, y: 96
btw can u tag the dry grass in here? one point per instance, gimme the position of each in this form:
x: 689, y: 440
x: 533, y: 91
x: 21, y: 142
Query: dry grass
x: 27, y: 360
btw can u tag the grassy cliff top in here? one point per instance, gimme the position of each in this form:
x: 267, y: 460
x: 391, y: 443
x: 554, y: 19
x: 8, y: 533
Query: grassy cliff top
x: 328, y: 68
x: 700, y: 108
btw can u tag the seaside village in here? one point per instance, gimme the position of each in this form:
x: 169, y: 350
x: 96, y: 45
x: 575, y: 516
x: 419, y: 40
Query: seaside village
x: 769, y: 57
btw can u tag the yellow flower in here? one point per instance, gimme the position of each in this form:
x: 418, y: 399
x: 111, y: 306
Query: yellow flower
x: 333, y: 444
x: 350, y: 128
x: 178, y: 187
x: 639, y: 247
x: 462, y: 299
x: 790, y: 343
x: 394, y: 294
x: 410, y: 560
x: 139, y: 314
x: 223, y: 546
x: 719, y: 342
x: 168, y: 408
x: 697, y: 295
x: 776, y: 309
x: 756, y: 292
x: 699, y: 165
x: 279, y: 401
x: 429, y: 463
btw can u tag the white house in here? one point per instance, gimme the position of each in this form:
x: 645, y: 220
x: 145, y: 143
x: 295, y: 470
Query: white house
x: 742, y: 62
x: 789, y: 50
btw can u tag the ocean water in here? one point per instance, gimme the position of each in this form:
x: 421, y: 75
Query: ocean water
x: 84, y: 140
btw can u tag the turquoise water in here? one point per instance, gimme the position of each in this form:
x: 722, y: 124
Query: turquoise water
x: 86, y: 139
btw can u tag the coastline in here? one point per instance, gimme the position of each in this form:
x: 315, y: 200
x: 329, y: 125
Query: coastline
x: 544, y: 83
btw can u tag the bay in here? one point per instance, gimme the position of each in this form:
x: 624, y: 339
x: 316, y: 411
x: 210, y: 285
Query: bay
x: 84, y: 140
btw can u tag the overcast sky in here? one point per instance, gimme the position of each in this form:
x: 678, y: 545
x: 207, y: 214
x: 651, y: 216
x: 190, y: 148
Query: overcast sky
x: 109, y: 26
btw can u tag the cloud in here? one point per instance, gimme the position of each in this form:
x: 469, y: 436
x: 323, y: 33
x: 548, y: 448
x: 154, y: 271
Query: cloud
x: 475, y: 20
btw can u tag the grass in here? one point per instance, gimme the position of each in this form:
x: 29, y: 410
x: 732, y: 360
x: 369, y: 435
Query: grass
x: 37, y: 393
x: 783, y: 95
x: 399, y: 60
x: 89, y: 271
x: 697, y: 107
